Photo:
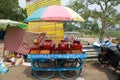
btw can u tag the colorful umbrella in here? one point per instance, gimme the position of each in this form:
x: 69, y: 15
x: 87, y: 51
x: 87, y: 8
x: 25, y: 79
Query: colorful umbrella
x: 5, y: 22
x: 54, y: 13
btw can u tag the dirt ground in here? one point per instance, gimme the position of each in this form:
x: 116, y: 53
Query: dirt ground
x: 92, y: 70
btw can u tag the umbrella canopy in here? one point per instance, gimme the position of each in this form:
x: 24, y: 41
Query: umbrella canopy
x: 54, y: 13
x: 5, y: 22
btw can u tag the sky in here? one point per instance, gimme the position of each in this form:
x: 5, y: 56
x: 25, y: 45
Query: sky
x: 22, y: 3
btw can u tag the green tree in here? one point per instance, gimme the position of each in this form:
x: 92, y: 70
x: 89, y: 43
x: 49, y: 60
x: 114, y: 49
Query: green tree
x: 81, y: 7
x: 78, y: 6
x: 70, y: 27
x: 107, y: 13
x: 95, y: 28
x: 10, y: 9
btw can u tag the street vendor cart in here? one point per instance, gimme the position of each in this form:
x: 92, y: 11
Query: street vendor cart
x: 61, y: 57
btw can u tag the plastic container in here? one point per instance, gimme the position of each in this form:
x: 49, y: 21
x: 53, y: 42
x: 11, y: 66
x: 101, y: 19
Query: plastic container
x: 3, y: 69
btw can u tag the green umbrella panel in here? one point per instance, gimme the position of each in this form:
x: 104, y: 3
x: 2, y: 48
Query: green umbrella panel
x: 5, y: 22
x: 4, y: 26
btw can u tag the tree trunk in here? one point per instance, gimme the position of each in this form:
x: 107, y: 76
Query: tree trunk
x: 102, y: 33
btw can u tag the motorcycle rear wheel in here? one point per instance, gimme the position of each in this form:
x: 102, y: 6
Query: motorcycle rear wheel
x: 102, y: 59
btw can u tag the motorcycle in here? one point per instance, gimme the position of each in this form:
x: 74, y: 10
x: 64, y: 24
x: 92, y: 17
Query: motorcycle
x: 110, y: 55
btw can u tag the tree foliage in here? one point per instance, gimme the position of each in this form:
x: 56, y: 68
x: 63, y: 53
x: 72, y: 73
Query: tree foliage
x: 70, y: 27
x: 106, y: 14
x: 10, y: 9
x: 81, y: 7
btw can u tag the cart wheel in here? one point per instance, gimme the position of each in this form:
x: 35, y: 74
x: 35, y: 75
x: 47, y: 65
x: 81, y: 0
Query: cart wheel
x: 71, y: 74
x: 36, y: 63
x: 42, y: 64
x: 47, y: 64
x: 68, y: 74
x: 43, y: 75
x: 67, y: 63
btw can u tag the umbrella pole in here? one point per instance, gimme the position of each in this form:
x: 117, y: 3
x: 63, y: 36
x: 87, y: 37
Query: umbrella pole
x: 55, y: 34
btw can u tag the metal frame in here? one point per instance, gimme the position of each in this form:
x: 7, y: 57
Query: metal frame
x: 59, y: 61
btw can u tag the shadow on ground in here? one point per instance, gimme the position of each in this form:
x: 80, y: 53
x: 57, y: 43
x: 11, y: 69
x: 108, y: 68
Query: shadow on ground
x: 28, y: 73
x: 109, y: 71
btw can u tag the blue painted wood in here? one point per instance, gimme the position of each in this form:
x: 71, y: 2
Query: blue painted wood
x: 57, y: 67
x: 57, y: 56
x: 42, y: 58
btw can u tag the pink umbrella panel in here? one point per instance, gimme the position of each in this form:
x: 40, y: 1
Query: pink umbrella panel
x: 54, y: 13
